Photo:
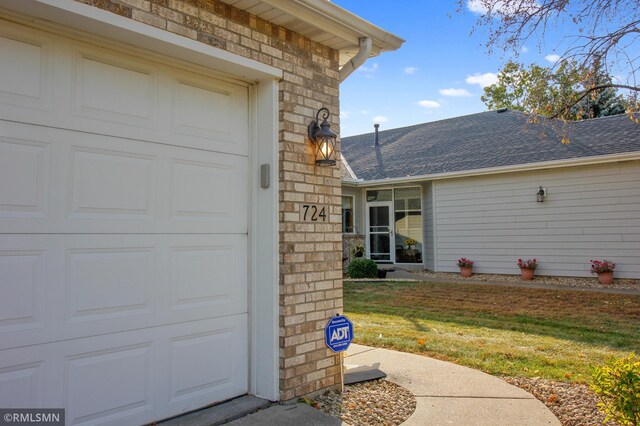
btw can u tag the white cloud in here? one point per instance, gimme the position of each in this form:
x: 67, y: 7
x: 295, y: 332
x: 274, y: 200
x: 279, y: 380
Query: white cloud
x: 553, y: 58
x: 455, y: 92
x: 524, y: 49
x: 429, y: 104
x: 476, y: 6
x: 410, y: 70
x: 364, y: 112
x: 379, y: 119
x: 482, y: 80
x: 371, y: 69
x: 344, y: 115
x: 481, y: 7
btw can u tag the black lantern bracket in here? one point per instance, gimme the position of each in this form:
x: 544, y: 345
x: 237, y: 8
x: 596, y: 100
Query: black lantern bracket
x: 324, y: 138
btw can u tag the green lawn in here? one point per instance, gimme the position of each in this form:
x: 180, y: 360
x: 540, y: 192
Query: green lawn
x: 514, y: 331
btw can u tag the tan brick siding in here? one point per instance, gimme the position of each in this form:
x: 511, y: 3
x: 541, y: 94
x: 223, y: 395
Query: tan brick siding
x: 310, y: 254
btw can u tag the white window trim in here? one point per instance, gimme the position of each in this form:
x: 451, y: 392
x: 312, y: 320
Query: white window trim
x: 393, y: 213
x: 353, y: 216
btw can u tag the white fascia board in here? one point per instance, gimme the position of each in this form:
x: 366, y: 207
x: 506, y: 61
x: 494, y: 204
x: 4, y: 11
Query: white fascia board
x: 556, y: 164
x: 331, y: 18
x: 93, y: 20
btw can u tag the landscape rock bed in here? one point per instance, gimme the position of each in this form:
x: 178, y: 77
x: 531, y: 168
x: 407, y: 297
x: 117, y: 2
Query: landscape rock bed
x: 572, y: 403
x: 584, y: 282
x: 377, y: 402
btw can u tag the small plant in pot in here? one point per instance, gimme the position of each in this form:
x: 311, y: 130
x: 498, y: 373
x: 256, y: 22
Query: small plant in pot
x: 466, y: 266
x: 604, y: 269
x: 358, y: 251
x: 527, y: 268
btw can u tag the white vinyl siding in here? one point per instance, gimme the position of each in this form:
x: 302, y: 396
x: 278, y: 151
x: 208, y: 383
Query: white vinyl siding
x: 589, y: 213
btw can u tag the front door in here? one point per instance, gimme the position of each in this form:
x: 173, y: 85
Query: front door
x: 380, y: 232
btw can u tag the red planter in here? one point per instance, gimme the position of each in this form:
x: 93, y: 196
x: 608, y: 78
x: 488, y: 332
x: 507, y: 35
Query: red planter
x: 605, y: 278
x: 465, y: 271
x: 526, y: 274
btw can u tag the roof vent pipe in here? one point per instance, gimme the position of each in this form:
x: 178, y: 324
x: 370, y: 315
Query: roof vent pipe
x: 376, y: 143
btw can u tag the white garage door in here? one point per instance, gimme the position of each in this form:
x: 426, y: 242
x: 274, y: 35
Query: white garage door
x: 123, y: 232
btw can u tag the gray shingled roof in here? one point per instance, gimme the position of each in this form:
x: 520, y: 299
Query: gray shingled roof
x: 484, y: 140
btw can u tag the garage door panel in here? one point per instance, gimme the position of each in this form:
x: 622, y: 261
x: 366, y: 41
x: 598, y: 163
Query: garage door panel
x: 209, y: 191
x: 24, y: 172
x: 23, y: 286
x: 102, y: 184
x: 106, y: 283
x: 133, y: 377
x: 206, y: 364
x: 100, y: 91
x: 211, y: 109
x: 112, y: 184
x: 111, y: 88
x: 109, y: 384
x: 22, y: 385
x: 71, y: 286
x: 26, y: 76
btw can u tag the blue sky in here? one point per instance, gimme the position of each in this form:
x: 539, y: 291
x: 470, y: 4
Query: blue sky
x: 438, y: 73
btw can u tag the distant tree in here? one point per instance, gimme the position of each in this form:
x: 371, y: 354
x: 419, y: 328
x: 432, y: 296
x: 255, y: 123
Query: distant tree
x: 606, y: 32
x: 560, y: 92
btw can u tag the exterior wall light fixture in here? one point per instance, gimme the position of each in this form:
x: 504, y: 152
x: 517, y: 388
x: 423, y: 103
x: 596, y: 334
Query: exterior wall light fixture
x: 542, y: 192
x: 324, y: 139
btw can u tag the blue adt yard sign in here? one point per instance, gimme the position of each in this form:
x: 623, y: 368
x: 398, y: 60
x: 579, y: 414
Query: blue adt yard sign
x: 338, y: 333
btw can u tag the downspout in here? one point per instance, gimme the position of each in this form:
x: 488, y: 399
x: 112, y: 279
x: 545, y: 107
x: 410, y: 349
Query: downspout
x: 356, y: 61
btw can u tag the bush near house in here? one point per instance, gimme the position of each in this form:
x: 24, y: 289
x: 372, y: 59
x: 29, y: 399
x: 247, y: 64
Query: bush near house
x: 363, y: 268
x: 617, y: 384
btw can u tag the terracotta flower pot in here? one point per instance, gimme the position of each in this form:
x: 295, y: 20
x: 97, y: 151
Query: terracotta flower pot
x: 526, y: 274
x: 605, y: 278
x: 465, y: 271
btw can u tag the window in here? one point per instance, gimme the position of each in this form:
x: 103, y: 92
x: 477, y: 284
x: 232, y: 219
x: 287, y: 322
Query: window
x: 408, y: 224
x: 379, y: 195
x: 347, y: 215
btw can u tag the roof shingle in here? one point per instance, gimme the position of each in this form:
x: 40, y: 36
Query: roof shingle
x: 484, y: 140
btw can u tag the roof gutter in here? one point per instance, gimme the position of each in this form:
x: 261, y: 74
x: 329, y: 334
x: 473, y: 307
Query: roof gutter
x: 601, y: 159
x: 355, y: 62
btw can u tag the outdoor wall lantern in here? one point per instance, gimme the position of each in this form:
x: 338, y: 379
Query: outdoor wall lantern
x: 324, y: 139
x: 542, y: 192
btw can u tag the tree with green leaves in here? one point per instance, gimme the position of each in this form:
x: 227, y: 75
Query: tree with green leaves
x: 605, y: 33
x: 562, y: 92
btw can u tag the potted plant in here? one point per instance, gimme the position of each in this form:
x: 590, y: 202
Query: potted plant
x: 527, y: 268
x: 465, y: 265
x: 358, y: 250
x: 604, y: 269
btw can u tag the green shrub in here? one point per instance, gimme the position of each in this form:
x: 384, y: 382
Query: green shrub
x: 363, y: 268
x: 617, y: 384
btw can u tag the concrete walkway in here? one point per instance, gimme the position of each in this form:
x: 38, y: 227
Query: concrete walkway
x: 448, y: 394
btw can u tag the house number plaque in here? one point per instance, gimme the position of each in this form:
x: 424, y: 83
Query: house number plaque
x: 314, y: 213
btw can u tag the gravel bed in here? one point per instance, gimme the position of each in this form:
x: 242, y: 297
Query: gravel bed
x: 573, y: 404
x: 544, y: 280
x: 377, y: 402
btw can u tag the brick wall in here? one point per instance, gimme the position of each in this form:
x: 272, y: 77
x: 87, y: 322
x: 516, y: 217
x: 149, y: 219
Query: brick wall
x: 310, y: 254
